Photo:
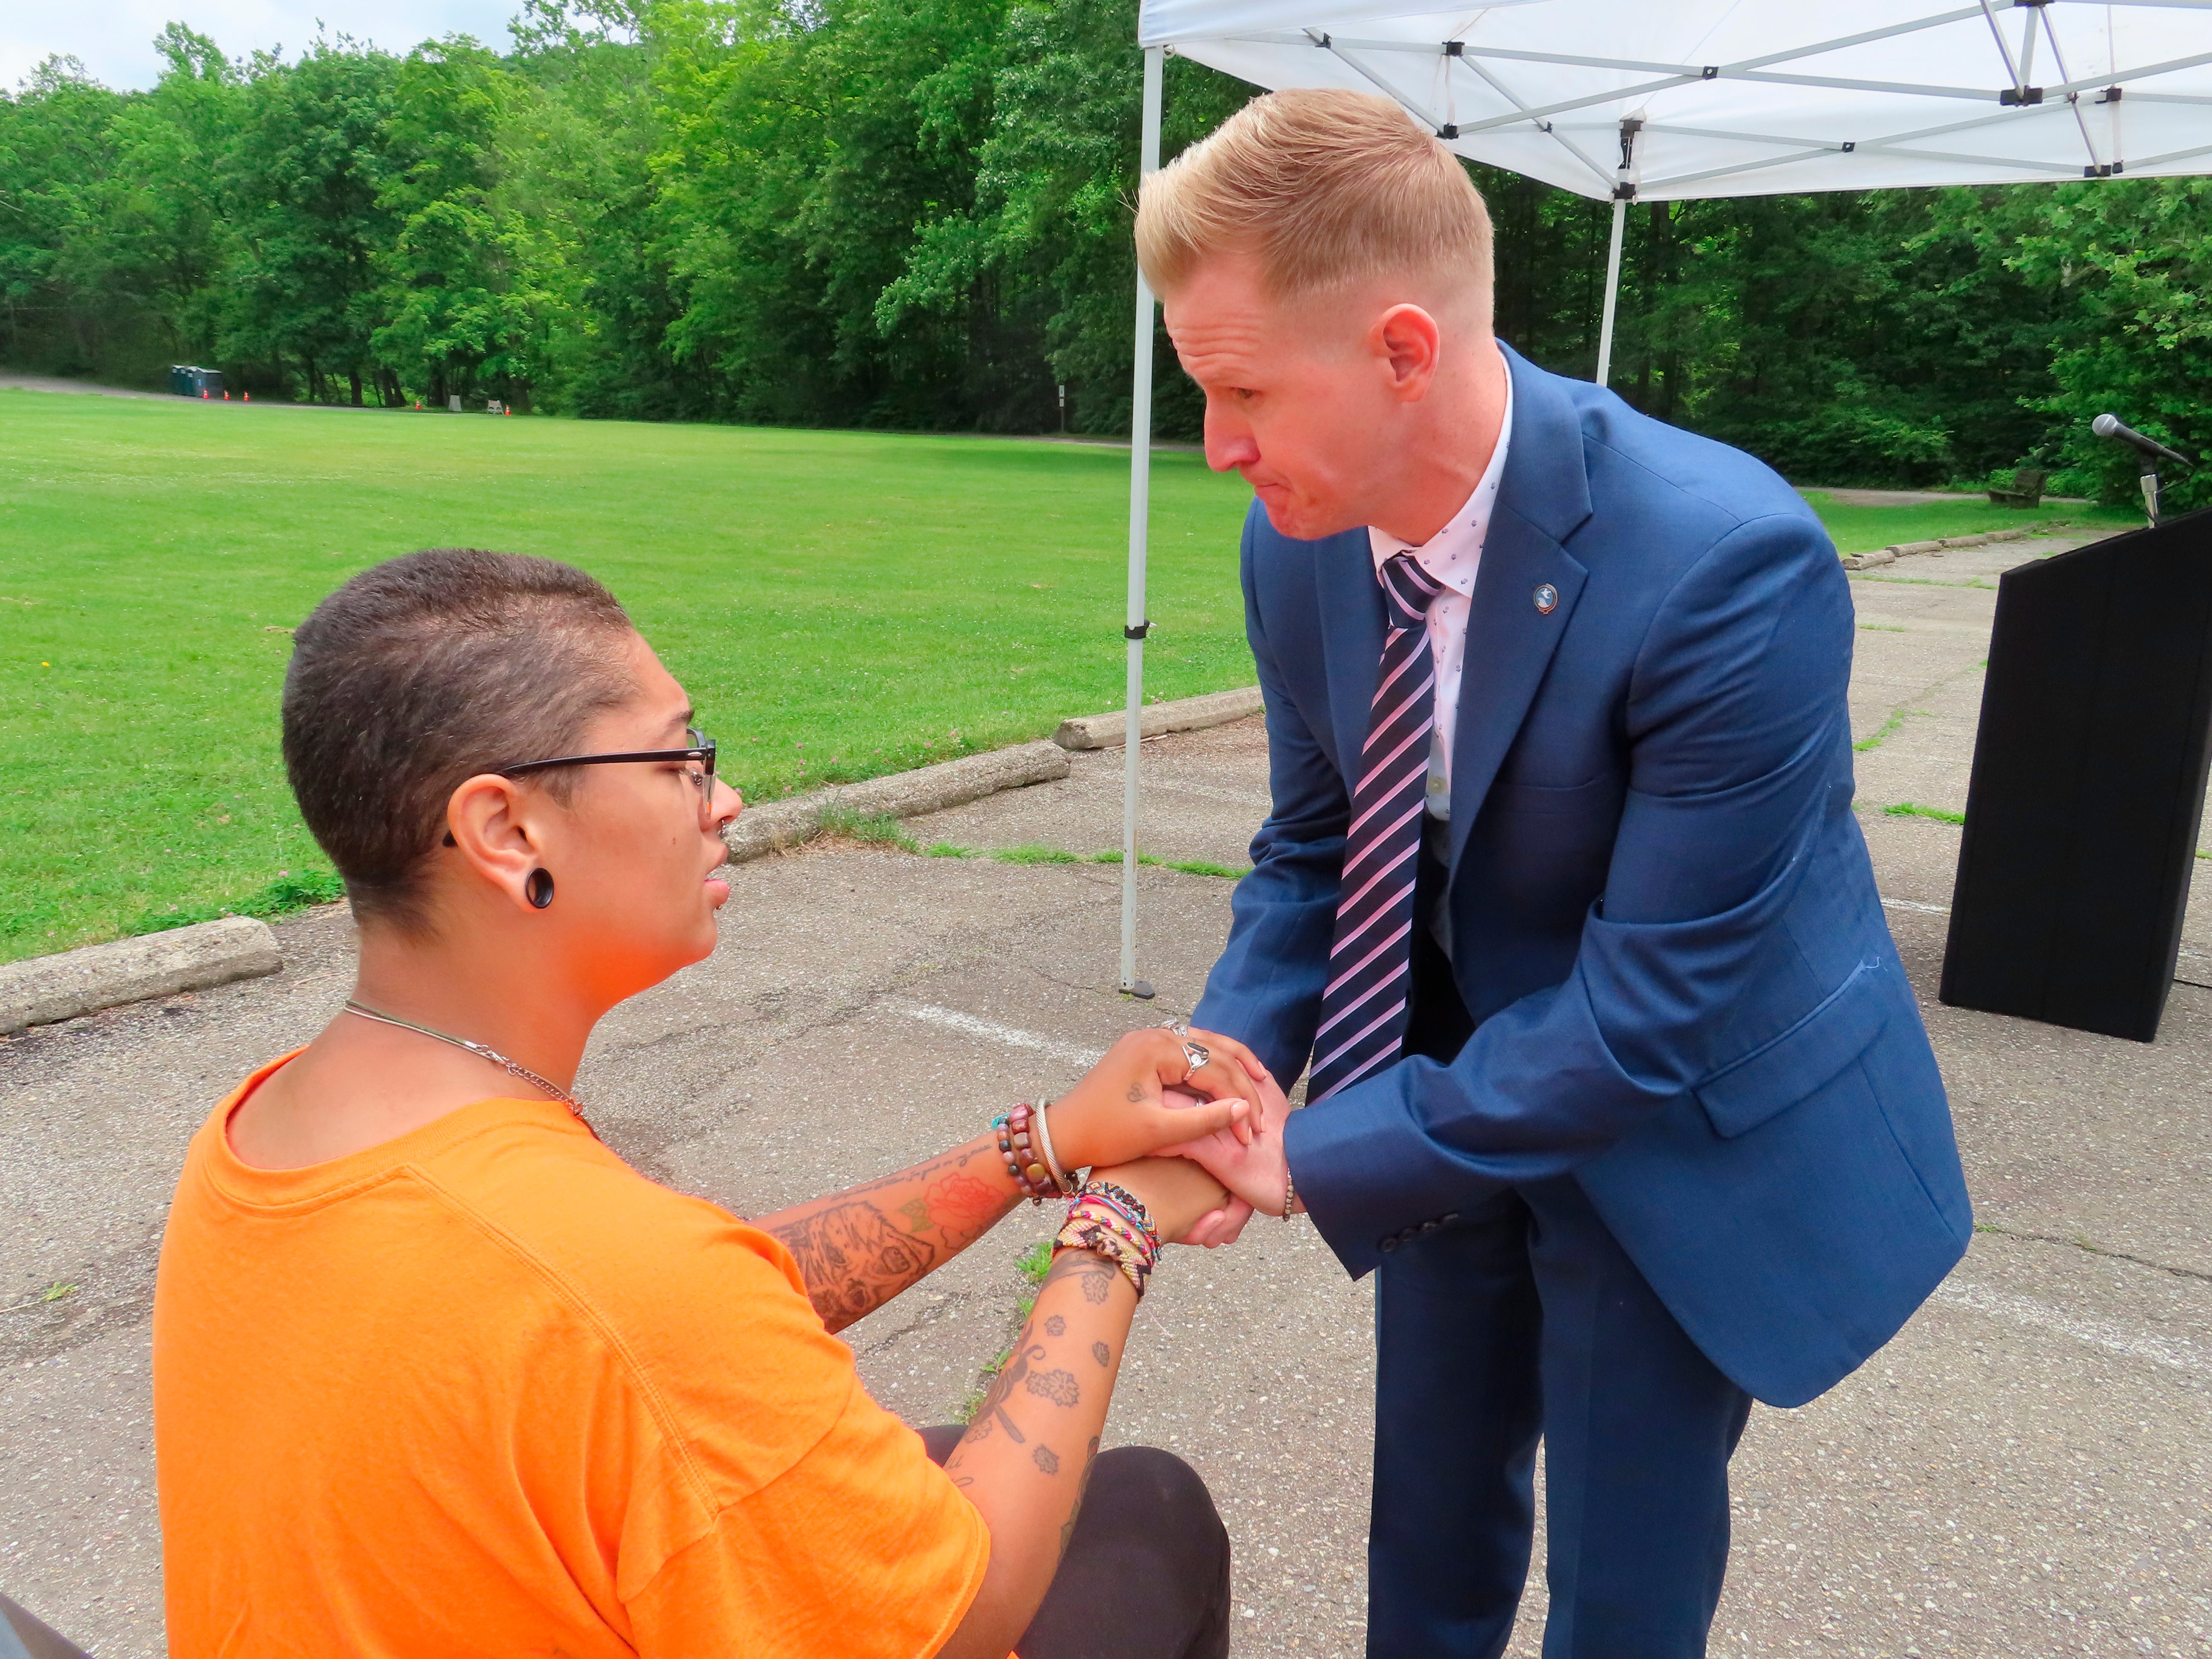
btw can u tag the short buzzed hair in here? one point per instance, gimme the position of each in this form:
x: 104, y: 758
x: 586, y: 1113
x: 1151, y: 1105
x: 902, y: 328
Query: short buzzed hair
x: 424, y: 671
x: 1326, y: 188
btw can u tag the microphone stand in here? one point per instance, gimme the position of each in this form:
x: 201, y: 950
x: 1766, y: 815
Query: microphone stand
x: 2151, y: 452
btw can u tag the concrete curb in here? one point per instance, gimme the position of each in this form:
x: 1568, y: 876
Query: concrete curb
x: 1184, y: 714
x: 1896, y: 550
x: 780, y: 823
x: 83, y: 982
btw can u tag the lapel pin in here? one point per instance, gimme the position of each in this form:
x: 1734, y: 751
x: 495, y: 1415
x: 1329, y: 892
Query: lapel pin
x: 1547, y: 598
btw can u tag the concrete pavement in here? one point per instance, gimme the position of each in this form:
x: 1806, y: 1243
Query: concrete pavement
x: 2023, y: 1471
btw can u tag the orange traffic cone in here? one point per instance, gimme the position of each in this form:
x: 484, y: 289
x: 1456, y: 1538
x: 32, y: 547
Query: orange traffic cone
x: 248, y: 396
x: 226, y: 396
x: 203, y: 397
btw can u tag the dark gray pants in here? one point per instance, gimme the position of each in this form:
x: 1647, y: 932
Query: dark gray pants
x: 1146, y: 1575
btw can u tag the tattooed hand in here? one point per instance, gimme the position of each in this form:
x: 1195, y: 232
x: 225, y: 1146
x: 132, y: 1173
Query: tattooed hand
x: 1117, y: 1112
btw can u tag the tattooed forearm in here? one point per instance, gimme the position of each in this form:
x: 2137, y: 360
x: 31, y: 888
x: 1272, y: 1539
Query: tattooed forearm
x: 857, y: 1249
x: 853, y: 1259
x: 1032, y: 1447
x: 1094, y: 1274
x: 1057, y: 1386
x: 992, y: 1411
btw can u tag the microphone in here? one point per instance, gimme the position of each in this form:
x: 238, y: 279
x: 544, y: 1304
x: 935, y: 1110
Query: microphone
x: 2111, y: 426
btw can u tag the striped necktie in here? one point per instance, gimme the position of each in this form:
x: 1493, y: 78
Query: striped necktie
x: 1363, y: 1008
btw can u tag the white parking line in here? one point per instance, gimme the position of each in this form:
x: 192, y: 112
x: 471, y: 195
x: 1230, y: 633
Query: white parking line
x: 1915, y: 904
x: 991, y: 1031
x: 2082, y: 1328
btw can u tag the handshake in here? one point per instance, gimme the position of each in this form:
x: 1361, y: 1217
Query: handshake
x: 1192, y: 1122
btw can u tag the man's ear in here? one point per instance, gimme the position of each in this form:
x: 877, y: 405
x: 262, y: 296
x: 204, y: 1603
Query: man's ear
x: 488, y: 822
x: 1407, y: 340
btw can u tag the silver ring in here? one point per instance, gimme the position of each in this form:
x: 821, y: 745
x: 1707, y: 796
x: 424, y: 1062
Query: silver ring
x: 1179, y: 1026
x: 1198, y: 1055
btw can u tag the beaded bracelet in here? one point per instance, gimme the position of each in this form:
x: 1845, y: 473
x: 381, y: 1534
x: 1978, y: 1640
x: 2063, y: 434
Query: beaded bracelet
x: 1021, y: 1160
x: 1110, y: 1221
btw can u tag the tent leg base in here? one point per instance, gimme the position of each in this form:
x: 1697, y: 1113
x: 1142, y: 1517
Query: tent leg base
x: 1142, y: 990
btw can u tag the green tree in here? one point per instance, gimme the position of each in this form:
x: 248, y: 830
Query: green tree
x: 456, y: 300
x: 161, y: 204
x: 307, y: 183
x: 56, y: 145
x: 2131, y: 261
x: 1054, y: 199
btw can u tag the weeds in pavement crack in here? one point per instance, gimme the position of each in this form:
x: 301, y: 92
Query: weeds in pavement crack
x: 1035, y: 1262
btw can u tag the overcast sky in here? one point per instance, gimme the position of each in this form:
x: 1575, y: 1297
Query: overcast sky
x: 115, y: 37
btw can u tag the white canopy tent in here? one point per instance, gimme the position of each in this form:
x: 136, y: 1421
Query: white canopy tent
x: 1661, y: 101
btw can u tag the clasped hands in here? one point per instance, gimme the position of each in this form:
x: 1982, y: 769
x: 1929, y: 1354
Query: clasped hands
x: 1203, y: 1148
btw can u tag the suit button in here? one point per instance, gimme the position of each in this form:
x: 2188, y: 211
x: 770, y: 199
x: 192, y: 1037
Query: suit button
x: 1451, y: 1218
x: 1430, y: 1226
x: 1387, y: 1245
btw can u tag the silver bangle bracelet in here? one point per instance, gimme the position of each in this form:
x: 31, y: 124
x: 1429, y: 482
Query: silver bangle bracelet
x: 1044, y: 1145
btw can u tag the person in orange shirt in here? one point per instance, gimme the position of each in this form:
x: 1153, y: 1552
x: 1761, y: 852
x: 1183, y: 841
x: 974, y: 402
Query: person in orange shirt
x: 436, y: 1373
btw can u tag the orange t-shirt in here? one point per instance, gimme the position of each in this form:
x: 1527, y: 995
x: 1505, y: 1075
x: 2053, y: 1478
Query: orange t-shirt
x: 484, y: 1389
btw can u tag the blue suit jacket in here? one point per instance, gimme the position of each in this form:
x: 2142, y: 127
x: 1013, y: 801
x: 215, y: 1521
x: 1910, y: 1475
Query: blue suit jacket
x: 1663, y: 918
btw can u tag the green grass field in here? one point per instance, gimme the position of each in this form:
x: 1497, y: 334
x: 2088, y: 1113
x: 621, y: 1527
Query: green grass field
x: 1862, y: 529
x: 840, y: 604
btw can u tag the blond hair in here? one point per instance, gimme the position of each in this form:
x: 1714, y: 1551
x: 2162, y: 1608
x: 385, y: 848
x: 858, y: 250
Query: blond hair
x: 1328, y: 188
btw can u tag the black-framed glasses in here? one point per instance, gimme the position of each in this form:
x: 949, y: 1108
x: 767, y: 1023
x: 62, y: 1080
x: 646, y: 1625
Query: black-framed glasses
x: 700, y: 769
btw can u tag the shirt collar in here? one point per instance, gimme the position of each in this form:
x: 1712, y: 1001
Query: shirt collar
x: 1452, y: 555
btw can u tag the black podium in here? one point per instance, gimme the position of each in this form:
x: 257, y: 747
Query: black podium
x: 2089, y: 773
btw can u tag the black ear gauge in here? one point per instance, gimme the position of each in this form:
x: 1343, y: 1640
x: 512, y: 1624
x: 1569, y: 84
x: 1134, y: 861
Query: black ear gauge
x: 538, y: 889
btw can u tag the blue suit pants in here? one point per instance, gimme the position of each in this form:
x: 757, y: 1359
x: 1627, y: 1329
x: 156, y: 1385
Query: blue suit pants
x: 1525, y: 1320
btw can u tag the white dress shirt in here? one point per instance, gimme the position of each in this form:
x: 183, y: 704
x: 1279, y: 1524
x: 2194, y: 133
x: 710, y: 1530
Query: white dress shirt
x: 1451, y: 556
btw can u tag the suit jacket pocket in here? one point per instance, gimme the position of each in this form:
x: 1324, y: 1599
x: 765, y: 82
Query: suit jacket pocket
x: 1781, y: 1072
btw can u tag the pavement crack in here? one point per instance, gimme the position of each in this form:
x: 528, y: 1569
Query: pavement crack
x: 953, y: 1304
x: 1902, y: 711
x: 113, y: 1294
x: 2088, y: 1248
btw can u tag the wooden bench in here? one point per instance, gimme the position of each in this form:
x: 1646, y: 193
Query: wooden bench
x: 2026, y: 490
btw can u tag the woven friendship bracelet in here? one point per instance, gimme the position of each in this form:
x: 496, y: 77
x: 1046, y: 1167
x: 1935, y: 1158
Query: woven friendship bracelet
x: 1089, y: 1232
x: 1111, y: 1221
x: 1120, y: 1201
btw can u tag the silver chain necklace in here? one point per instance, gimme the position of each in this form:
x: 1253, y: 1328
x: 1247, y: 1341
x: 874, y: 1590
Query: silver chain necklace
x: 482, y: 1051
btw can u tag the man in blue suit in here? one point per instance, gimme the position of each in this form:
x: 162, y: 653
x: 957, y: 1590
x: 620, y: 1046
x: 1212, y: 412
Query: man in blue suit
x: 1618, y: 1082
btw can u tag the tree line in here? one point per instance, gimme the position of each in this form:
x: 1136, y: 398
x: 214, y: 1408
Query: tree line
x: 915, y: 213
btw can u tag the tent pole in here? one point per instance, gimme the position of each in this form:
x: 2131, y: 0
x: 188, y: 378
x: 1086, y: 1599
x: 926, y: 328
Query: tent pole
x: 1141, y: 491
x: 1611, y: 292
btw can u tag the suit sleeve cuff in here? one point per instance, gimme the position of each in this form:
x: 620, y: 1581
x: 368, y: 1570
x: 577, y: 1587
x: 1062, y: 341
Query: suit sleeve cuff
x: 1369, y: 1178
